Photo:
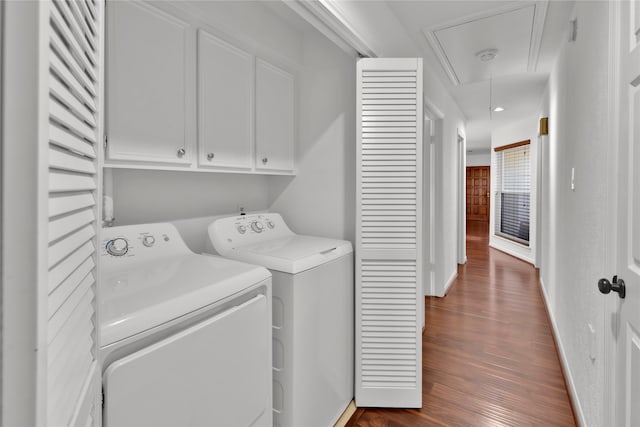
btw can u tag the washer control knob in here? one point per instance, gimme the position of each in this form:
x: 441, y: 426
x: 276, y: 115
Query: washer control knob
x: 117, y: 247
x: 148, y: 241
x: 242, y: 229
x: 270, y: 224
x: 257, y: 226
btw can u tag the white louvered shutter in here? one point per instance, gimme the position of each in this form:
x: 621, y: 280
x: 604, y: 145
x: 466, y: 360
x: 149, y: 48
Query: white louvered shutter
x: 73, y: 53
x: 388, y: 235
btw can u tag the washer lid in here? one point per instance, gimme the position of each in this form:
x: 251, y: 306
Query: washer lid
x: 293, y: 254
x: 141, y: 296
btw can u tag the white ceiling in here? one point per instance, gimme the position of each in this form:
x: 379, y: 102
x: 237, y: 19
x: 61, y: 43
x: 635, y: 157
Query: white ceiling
x: 449, y: 33
x: 526, y: 34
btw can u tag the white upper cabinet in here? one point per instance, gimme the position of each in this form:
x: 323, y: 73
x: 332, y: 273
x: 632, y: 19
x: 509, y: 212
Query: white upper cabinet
x: 225, y: 104
x: 181, y: 98
x: 147, y: 85
x: 275, y: 118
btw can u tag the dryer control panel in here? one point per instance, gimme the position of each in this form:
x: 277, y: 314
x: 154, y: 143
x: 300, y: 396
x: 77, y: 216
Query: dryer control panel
x: 138, y: 243
x: 231, y: 232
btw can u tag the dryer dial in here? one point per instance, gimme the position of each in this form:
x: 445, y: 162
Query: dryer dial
x: 257, y: 226
x: 148, y: 241
x: 117, y: 247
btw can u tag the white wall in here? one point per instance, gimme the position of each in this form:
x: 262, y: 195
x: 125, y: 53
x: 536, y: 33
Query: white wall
x: 320, y: 200
x: 479, y: 158
x: 152, y: 196
x: 521, y: 130
x: 20, y: 197
x: 447, y: 185
x: 574, y: 222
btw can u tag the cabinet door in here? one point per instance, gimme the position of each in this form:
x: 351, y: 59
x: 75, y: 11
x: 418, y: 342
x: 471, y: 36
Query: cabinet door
x: 225, y: 102
x: 147, y: 84
x: 274, y: 117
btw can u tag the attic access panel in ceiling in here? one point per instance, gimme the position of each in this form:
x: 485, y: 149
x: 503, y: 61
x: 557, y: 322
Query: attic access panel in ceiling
x: 515, y: 31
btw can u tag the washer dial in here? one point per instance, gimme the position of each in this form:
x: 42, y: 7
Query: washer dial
x: 257, y: 226
x: 241, y: 229
x: 117, y: 246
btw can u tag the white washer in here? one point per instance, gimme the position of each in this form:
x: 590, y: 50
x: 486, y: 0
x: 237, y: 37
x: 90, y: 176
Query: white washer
x: 185, y: 338
x: 313, y: 314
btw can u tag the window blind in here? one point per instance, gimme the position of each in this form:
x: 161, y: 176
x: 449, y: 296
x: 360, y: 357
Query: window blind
x: 512, y: 189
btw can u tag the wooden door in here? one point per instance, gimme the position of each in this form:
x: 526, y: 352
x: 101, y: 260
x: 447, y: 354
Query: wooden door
x: 627, y: 362
x: 478, y: 187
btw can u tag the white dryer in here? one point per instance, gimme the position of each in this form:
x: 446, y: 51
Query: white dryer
x: 185, y: 338
x: 313, y: 314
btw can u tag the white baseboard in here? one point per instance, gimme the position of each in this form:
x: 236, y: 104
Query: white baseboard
x: 573, y: 394
x: 450, y: 282
x: 346, y: 415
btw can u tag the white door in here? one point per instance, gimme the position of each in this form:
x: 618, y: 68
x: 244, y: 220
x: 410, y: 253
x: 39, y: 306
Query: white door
x: 389, y: 239
x: 71, y: 105
x: 627, y: 361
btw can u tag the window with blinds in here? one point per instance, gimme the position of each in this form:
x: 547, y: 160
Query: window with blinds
x: 512, y: 189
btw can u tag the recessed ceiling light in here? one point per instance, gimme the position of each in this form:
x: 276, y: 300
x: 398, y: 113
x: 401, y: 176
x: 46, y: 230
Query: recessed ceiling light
x: 498, y: 109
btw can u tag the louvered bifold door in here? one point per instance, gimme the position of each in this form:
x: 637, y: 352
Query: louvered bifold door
x: 388, y: 237
x: 73, y: 51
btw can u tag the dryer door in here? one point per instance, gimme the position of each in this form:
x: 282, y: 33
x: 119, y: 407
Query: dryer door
x: 215, y: 373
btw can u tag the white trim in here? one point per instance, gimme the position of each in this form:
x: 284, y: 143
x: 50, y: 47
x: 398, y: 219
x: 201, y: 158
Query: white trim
x: 609, y: 305
x: 573, y: 393
x: 508, y: 247
x: 150, y: 166
x: 20, y: 81
x: 539, y: 17
x: 537, y: 254
x: 462, y: 196
x: 327, y: 17
x: 43, y: 397
x: 432, y: 109
x: 452, y: 279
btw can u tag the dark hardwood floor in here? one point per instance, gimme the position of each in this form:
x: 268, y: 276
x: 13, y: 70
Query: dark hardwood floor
x: 489, y: 358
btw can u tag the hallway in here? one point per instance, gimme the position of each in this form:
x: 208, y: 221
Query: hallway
x: 489, y: 358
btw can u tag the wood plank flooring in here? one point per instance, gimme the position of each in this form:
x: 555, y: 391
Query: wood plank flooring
x: 489, y: 358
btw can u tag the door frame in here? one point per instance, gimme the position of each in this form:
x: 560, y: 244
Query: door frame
x: 608, y: 305
x: 462, y: 195
x: 431, y: 170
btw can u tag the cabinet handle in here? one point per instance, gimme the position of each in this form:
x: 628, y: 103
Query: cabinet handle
x: 264, y: 160
x: 210, y: 156
x: 181, y: 152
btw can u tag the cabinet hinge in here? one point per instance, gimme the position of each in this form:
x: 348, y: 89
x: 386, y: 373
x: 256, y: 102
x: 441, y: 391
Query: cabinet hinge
x: 104, y: 144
